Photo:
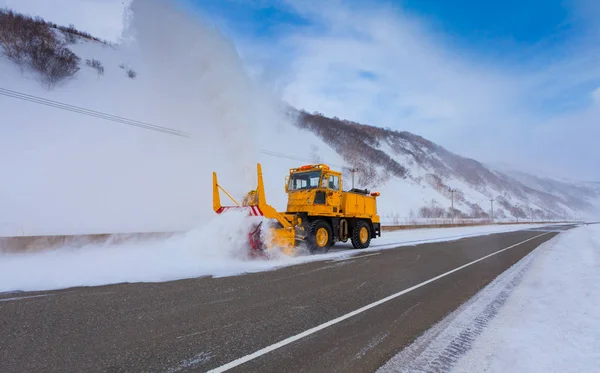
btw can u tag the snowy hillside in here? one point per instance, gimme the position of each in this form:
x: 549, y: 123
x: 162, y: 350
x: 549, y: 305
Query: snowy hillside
x: 412, y: 166
x: 70, y: 172
x: 573, y: 192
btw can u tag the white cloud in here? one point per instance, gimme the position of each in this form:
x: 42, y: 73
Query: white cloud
x: 415, y: 82
x: 101, y: 18
x: 380, y: 66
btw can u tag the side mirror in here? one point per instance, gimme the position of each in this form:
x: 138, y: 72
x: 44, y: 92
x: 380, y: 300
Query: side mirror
x: 287, y: 183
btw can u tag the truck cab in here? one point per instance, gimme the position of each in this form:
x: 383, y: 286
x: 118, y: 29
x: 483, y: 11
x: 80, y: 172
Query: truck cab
x: 315, y: 195
x: 314, y: 189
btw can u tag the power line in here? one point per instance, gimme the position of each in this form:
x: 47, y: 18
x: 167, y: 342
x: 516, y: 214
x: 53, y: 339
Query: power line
x: 91, y: 113
x: 131, y: 122
x: 452, y: 190
x: 282, y: 155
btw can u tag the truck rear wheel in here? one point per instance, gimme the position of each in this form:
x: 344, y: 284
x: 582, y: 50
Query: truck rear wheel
x: 361, y: 235
x: 320, y: 237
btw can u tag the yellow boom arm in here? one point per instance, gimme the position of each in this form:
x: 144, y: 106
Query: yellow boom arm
x: 267, y: 210
x: 217, y: 198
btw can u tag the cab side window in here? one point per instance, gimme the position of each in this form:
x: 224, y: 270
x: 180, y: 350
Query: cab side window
x: 334, y: 182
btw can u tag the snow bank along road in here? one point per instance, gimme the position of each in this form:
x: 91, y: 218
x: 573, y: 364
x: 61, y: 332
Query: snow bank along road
x: 541, y: 315
x: 345, y: 314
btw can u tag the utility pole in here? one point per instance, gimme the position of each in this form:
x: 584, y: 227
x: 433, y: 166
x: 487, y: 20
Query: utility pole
x: 492, y: 208
x: 530, y: 213
x: 353, y: 170
x: 452, y: 208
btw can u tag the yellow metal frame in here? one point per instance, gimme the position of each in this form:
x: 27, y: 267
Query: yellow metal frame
x: 217, y: 197
x: 284, y: 235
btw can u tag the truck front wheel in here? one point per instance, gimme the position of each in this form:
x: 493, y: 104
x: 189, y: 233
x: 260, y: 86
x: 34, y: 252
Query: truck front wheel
x: 320, y: 236
x: 361, y: 235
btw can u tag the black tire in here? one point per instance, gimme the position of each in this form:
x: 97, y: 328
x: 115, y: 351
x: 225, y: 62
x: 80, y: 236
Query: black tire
x: 356, y: 238
x: 315, y: 245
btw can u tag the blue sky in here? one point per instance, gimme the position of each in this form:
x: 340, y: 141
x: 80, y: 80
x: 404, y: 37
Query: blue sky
x: 478, y: 22
x: 508, y: 81
x: 260, y: 19
x: 511, y: 34
x: 494, y: 27
x: 518, y: 79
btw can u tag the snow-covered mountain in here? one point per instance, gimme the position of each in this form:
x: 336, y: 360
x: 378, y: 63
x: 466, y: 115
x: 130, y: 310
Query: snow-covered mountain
x: 68, y: 171
x: 388, y: 157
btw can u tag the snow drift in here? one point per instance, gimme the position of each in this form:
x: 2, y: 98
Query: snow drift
x: 218, y: 248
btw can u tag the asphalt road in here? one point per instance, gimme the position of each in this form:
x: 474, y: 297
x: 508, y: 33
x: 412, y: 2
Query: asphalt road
x: 205, y: 323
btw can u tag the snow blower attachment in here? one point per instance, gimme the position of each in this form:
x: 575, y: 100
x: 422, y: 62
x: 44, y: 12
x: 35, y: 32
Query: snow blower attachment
x: 318, y: 212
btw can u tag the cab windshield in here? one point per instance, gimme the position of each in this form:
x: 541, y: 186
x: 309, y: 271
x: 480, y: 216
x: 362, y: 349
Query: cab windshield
x: 304, y: 180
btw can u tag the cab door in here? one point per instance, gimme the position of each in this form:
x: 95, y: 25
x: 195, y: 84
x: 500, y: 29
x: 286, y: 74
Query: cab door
x: 334, y: 193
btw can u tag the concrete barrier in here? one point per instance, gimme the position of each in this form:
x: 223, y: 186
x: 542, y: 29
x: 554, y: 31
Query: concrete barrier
x: 39, y: 243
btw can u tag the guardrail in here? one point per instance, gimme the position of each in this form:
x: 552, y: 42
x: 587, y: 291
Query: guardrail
x: 429, y: 221
x: 466, y: 224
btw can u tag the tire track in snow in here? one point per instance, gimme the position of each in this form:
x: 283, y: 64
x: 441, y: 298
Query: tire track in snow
x: 440, y: 348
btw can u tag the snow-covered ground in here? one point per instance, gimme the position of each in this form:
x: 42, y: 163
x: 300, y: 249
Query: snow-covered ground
x: 214, y: 250
x: 541, y: 315
x: 78, y: 174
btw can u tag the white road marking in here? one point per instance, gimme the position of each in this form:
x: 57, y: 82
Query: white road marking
x: 354, y: 257
x: 327, y: 324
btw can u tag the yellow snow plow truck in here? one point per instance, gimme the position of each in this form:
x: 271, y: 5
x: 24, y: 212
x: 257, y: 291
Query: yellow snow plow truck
x: 318, y: 212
